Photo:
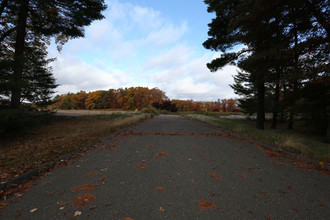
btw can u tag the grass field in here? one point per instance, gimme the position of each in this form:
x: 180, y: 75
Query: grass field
x: 25, y: 151
x: 297, y: 140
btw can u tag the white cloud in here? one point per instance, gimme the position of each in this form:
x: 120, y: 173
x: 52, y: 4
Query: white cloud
x: 190, y: 78
x: 177, y: 55
x: 138, y: 46
x: 74, y: 75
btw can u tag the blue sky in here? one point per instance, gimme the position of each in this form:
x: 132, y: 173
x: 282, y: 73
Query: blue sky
x: 147, y: 43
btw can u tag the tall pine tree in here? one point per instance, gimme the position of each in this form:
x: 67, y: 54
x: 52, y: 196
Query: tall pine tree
x: 62, y: 19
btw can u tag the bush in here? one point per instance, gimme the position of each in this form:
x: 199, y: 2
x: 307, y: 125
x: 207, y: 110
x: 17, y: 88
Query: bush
x: 13, y: 120
x: 150, y: 110
x: 165, y: 105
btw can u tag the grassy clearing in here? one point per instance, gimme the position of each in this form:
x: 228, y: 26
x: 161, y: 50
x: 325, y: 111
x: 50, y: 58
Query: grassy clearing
x: 22, y: 152
x: 297, y: 141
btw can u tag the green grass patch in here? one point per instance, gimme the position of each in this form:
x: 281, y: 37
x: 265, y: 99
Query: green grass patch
x: 297, y: 141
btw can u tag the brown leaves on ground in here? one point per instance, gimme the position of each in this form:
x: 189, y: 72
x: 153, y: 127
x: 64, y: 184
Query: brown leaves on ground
x: 149, y: 145
x: 161, y: 154
x: 88, y: 186
x: 92, y: 174
x: 47, y: 183
x: 240, y: 175
x: 160, y: 188
x: 128, y: 218
x: 206, y: 205
x: 280, y: 163
x: 263, y: 192
x: 53, y: 140
x: 3, y: 206
x: 215, y: 176
x: 142, y: 165
x: 83, y: 200
x: 298, y: 162
x: 197, y: 146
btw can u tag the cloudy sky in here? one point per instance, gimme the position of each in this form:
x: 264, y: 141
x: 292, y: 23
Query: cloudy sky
x: 147, y: 43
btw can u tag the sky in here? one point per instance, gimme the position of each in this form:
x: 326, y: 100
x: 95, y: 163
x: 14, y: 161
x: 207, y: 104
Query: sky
x: 147, y: 43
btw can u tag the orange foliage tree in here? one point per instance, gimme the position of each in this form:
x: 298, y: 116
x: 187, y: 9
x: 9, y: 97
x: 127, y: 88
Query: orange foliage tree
x: 136, y: 98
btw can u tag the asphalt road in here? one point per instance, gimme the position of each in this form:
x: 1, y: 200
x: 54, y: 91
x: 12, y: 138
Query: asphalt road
x: 173, y: 168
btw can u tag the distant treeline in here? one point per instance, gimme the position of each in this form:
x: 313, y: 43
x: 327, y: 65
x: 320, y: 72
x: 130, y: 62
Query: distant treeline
x: 136, y: 98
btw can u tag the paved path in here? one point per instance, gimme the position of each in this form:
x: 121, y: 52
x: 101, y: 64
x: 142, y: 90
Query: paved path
x: 173, y: 168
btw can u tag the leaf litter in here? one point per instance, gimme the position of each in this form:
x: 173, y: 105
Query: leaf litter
x: 206, y: 205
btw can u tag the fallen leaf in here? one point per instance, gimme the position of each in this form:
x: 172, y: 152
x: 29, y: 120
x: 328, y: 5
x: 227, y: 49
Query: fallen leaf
x: 101, y: 149
x: 108, y: 204
x: 161, y: 154
x: 18, y: 194
x: 282, y: 192
x: 240, y: 175
x: 161, y: 209
x: 128, y: 218
x: 269, y: 218
x: 92, y: 207
x: 133, y: 141
x: 33, y: 210
x: 215, y: 176
x: 160, y: 188
x: 3, y: 205
x: 142, y: 165
x: 83, y: 200
x: 206, y: 205
x: 92, y: 174
x: 77, y: 213
x: 61, y: 208
x: 263, y: 192
x: 87, y: 186
x: 197, y: 146
x: 47, y: 183
x: 280, y: 163
x: 149, y: 145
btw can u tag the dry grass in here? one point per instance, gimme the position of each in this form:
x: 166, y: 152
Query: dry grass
x: 20, y: 153
x: 293, y: 140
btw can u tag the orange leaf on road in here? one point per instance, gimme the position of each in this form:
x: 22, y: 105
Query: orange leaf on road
x: 280, y: 163
x: 240, y: 175
x: 83, y: 200
x: 215, y: 176
x: 92, y: 174
x: 161, y: 154
x: 160, y: 188
x: 87, y: 186
x: 197, y: 146
x: 206, y: 205
x: 142, y: 165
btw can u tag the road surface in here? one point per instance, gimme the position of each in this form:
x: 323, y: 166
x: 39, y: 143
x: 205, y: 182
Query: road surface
x: 173, y: 168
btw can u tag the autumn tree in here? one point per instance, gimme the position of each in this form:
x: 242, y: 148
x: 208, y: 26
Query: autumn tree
x: 79, y: 99
x: 62, y: 19
x: 94, y: 100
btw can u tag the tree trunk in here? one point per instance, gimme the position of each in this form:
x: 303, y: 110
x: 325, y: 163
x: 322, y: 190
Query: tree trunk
x: 19, y: 55
x: 276, y: 101
x: 261, y: 102
x: 290, y: 122
x: 327, y: 138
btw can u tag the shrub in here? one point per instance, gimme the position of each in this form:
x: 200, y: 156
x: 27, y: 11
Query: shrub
x: 150, y: 110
